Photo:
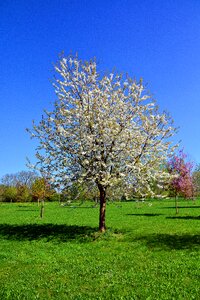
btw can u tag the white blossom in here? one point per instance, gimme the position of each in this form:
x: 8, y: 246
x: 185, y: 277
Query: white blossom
x: 103, y: 129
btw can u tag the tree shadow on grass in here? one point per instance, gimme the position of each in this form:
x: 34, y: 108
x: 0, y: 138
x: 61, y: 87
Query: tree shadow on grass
x: 81, y: 207
x: 185, y: 217
x: 144, y: 215
x: 49, y: 232
x: 171, y: 242
x: 173, y: 207
x: 29, y: 209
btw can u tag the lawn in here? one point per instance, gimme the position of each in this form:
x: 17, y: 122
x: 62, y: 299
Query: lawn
x: 147, y: 252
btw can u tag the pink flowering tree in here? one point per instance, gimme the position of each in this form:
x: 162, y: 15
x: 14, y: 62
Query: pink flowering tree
x: 181, y: 183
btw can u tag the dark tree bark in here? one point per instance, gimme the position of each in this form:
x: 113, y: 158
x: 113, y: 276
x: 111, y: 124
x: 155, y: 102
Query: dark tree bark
x: 102, y: 212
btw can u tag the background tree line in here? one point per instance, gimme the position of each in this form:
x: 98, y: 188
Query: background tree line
x: 25, y: 186
x: 28, y: 186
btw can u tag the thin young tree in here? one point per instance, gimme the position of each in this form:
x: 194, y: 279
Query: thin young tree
x: 103, y: 129
x: 41, y: 189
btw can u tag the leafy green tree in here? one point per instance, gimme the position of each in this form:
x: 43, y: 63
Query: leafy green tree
x: 10, y: 194
x: 2, y: 188
x: 23, y: 193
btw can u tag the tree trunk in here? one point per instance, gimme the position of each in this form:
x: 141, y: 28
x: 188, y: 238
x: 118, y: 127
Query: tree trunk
x: 176, y: 204
x: 42, y: 209
x: 102, y: 212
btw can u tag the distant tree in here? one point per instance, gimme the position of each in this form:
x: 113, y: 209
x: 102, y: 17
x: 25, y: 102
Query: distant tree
x: 23, y: 178
x: 196, y: 180
x: 182, y: 183
x: 9, y: 180
x: 2, y: 188
x: 40, y: 190
x: 23, y: 193
x: 77, y: 191
x: 103, y: 129
x: 26, y: 178
x: 10, y: 194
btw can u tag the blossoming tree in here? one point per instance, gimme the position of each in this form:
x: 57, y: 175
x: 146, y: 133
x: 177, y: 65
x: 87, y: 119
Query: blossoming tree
x: 196, y: 180
x: 182, y: 182
x: 103, y: 129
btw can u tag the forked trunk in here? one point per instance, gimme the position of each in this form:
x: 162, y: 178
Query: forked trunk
x: 102, y: 212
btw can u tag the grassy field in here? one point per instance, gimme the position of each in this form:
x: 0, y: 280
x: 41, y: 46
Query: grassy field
x: 147, y: 252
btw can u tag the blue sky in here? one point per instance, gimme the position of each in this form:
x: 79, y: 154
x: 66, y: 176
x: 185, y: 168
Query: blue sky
x: 156, y: 40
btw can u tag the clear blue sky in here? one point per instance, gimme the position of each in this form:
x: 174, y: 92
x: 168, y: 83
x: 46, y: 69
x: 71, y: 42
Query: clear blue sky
x: 156, y: 40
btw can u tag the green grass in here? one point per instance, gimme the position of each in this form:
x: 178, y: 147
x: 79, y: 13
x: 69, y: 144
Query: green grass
x: 147, y: 252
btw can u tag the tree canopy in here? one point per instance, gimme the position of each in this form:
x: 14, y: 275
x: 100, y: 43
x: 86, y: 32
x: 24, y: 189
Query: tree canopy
x: 104, y: 129
x: 182, y: 182
x: 23, y: 178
